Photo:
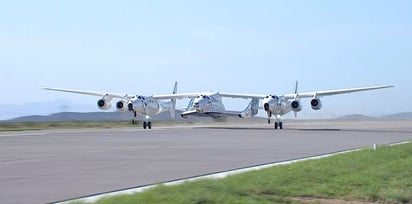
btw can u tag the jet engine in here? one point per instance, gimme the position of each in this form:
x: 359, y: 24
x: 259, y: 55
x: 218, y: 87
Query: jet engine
x: 121, y: 106
x: 295, y: 106
x: 104, y: 104
x: 316, y: 104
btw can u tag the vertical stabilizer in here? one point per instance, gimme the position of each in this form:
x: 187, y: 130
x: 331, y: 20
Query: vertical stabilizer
x: 251, y: 110
x: 173, y: 100
x: 296, y: 88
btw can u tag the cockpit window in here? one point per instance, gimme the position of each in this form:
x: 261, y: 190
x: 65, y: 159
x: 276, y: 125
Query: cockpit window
x: 275, y: 97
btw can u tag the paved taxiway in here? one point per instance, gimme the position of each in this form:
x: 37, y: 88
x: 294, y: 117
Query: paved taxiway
x: 47, y: 166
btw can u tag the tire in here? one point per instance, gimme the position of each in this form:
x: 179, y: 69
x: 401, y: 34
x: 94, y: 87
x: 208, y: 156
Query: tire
x: 276, y: 125
x: 281, y: 125
x: 149, y: 125
x: 144, y: 125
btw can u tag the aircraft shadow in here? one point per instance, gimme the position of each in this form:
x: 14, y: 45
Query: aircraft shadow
x: 235, y: 128
x: 317, y: 129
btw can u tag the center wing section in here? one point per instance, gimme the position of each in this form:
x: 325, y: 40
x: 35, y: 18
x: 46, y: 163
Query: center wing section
x: 240, y: 95
x: 194, y: 94
x: 176, y: 96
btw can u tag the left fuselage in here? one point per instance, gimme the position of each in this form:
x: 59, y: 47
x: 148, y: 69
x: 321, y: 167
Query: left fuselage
x: 147, y: 105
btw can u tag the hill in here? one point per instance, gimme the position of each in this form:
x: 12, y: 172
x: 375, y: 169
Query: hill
x: 91, y: 116
x: 396, y: 116
x: 399, y: 116
x: 356, y: 117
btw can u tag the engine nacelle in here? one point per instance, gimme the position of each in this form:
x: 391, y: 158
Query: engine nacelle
x: 316, y: 104
x: 104, y: 104
x: 295, y: 106
x: 121, y: 106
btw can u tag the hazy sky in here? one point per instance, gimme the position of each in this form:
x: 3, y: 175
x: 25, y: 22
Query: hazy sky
x: 262, y: 47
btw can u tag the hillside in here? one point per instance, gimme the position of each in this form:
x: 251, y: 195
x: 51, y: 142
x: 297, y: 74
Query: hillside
x: 91, y: 116
x: 396, y: 116
x: 399, y: 116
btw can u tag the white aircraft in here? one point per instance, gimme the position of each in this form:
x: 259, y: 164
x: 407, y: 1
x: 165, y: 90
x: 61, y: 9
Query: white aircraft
x: 144, y: 105
x: 210, y: 104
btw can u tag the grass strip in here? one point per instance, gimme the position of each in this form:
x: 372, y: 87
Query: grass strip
x: 384, y: 175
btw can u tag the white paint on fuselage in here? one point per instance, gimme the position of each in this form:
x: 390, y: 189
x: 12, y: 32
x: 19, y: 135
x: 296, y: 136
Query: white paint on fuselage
x: 276, y: 105
x: 147, y: 105
x: 208, y: 103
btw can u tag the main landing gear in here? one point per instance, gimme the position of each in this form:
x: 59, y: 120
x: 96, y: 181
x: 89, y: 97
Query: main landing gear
x: 278, y: 123
x: 147, y: 124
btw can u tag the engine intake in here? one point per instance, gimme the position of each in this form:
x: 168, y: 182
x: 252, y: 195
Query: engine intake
x: 316, y: 104
x: 121, y: 106
x: 103, y: 104
x: 295, y: 106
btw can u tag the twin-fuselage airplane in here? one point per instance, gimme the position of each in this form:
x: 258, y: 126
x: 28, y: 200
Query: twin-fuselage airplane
x: 209, y: 104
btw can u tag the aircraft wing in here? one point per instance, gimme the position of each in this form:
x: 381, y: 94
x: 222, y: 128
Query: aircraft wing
x: 92, y: 93
x: 332, y: 92
x: 176, y: 96
x: 240, y: 95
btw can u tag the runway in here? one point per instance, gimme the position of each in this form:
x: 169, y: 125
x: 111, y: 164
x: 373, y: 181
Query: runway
x: 49, y: 166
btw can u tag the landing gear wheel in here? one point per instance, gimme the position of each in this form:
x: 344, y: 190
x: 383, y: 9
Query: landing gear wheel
x: 276, y: 125
x: 144, y: 125
x: 133, y: 121
x: 268, y: 121
x: 281, y: 125
x: 149, y: 125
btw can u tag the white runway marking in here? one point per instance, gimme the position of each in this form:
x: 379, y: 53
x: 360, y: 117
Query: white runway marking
x: 23, y: 134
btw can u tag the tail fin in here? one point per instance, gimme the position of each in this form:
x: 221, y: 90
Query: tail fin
x: 296, y: 97
x: 296, y: 88
x: 173, y: 100
x: 251, y: 110
x: 175, y: 88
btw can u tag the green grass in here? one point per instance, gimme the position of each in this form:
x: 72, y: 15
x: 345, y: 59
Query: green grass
x: 384, y: 175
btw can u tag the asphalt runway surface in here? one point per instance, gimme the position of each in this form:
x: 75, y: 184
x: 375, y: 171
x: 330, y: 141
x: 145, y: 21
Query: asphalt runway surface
x: 55, y: 165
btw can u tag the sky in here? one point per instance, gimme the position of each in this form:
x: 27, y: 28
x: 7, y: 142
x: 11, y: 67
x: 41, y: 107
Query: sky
x: 260, y: 47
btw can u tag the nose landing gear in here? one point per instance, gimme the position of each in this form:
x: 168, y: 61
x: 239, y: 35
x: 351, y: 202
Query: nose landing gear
x: 147, y: 123
x: 278, y: 124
